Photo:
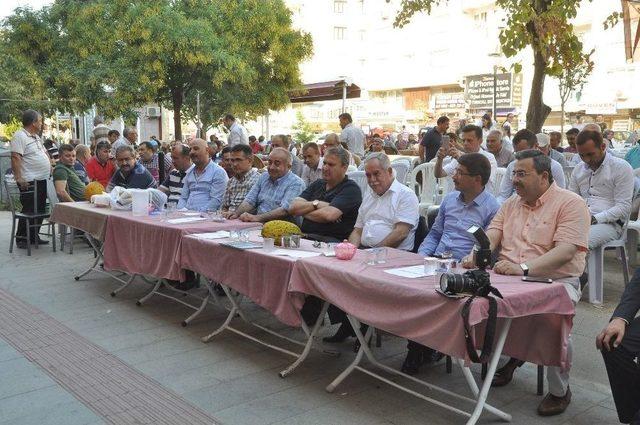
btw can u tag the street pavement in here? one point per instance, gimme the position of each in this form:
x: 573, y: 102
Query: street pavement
x: 231, y: 379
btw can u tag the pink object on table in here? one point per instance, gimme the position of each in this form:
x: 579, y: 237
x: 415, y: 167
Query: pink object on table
x: 542, y: 314
x: 148, y: 245
x: 261, y: 276
x: 345, y: 250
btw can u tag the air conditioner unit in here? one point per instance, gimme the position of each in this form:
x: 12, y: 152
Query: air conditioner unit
x: 153, y: 111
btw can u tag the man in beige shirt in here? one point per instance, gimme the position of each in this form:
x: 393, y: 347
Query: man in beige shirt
x: 544, y: 231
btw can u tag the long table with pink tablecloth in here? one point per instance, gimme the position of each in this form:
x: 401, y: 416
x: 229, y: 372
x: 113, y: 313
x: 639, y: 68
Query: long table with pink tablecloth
x: 410, y: 307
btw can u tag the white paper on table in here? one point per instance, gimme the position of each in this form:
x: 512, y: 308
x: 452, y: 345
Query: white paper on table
x: 191, y: 214
x: 411, y: 272
x: 221, y: 234
x: 185, y: 220
x: 295, y: 253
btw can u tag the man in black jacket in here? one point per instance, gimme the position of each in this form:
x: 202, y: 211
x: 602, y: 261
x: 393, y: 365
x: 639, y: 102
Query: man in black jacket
x: 620, y: 346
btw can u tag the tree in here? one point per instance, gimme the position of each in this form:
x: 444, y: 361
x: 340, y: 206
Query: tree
x: 303, y: 132
x: 573, y: 77
x: 243, y: 56
x: 541, y: 24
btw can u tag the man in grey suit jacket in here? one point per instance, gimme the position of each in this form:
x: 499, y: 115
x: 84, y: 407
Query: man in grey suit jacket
x: 620, y: 346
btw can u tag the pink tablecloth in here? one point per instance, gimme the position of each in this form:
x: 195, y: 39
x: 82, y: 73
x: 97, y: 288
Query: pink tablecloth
x: 542, y: 313
x: 261, y: 276
x: 150, y: 245
x: 82, y: 216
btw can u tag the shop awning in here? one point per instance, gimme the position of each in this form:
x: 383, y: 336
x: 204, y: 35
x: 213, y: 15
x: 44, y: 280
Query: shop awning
x: 329, y: 90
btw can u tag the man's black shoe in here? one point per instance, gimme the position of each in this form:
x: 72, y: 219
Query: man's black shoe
x: 429, y: 355
x: 413, y: 361
x: 21, y: 244
x: 187, y: 285
x: 344, y: 332
x: 219, y: 291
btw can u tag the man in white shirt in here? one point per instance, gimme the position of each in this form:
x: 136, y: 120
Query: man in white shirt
x: 237, y: 133
x: 129, y: 138
x: 544, y: 146
x: 471, y: 139
x: 524, y: 140
x: 606, y: 183
x: 351, y: 135
x: 312, y: 169
x: 31, y: 168
x: 388, y: 215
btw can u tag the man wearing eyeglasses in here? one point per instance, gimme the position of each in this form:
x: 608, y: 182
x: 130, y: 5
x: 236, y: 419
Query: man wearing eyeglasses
x: 469, y: 205
x: 541, y: 231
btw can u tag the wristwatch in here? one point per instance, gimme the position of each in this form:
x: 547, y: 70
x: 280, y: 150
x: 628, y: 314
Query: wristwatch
x: 525, y: 269
x: 315, y: 204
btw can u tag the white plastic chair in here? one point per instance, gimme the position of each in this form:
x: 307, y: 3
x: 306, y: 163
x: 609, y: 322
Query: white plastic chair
x: 568, y: 156
x: 401, y: 167
x: 595, y: 266
x: 426, y: 187
x: 500, y: 173
x: 360, y: 178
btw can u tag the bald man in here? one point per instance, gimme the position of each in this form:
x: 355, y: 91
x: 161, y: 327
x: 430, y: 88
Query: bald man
x: 205, y: 183
x: 271, y: 196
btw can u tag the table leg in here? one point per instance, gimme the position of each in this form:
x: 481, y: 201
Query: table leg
x: 480, y: 396
x: 310, y: 337
x: 158, y: 283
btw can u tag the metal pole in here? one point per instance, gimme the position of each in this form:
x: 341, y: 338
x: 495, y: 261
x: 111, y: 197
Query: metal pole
x: 495, y: 92
x: 344, y: 94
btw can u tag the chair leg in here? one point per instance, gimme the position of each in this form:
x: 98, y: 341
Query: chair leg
x: 540, y: 380
x: 625, y: 264
x: 448, y: 364
x: 72, y: 239
x: 28, y: 239
x: 595, y: 276
x: 632, y: 247
x: 378, y: 339
x: 483, y: 372
x: 13, y: 235
x: 62, y: 230
x: 53, y: 236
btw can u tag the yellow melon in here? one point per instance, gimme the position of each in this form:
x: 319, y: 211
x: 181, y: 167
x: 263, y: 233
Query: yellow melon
x: 277, y: 228
x: 93, y: 188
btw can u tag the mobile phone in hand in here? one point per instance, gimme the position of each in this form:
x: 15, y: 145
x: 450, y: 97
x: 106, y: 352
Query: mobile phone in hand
x: 536, y: 279
x: 445, y: 142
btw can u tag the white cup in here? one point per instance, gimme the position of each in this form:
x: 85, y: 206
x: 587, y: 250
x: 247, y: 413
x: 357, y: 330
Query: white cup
x: 268, y: 244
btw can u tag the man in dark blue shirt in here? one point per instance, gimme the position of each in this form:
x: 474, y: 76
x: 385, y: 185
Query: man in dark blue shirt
x: 431, y: 141
x: 130, y: 174
x: 329, y: 206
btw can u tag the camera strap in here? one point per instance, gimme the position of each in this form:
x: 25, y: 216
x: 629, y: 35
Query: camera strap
x: 487, y: 345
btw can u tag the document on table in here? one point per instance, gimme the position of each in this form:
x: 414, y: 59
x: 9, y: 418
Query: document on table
x: 191, y: 214
x: 221, y: 234
x: 295, y: 253
x: 411, y: 272
x: 185, y: 220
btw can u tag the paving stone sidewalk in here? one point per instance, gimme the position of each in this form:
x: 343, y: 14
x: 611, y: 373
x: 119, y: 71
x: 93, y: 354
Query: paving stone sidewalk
x: 234, y: 381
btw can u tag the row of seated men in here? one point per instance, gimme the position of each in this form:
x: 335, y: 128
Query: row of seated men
x: 541, y: 230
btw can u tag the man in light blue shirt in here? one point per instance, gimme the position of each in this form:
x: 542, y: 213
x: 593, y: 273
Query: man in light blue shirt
x: 205, y: 183
x: 470, y: 205
x: 270, y: 198
x: 523, y: 140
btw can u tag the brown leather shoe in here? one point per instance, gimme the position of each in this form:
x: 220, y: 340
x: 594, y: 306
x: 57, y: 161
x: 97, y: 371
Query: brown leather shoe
x: 552, y: 405
x: 504, y: 375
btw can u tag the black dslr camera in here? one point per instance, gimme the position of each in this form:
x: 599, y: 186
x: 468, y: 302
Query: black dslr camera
x: 474, y: 281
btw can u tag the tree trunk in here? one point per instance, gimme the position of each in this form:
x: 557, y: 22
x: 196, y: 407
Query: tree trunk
x: 562, y: 119
x: 176, y: 98
x: 537, y: 111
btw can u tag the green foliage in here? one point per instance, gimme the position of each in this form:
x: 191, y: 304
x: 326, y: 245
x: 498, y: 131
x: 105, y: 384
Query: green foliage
x: 243, y: 56
x: 303, y: 132
x: 574, y: 76
x: 11, y: 127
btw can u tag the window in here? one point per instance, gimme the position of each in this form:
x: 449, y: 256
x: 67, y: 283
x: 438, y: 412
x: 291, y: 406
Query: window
x: 339, y: 33
x: 338, y: 6
x: 480, y: 18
